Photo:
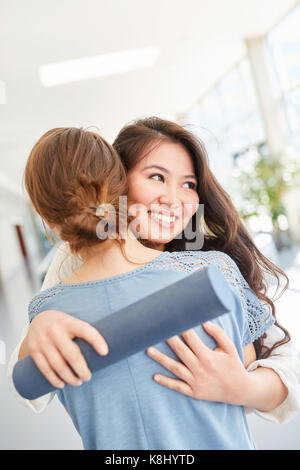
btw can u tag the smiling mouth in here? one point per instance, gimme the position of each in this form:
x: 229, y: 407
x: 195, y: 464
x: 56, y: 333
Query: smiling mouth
x: 163, y: 218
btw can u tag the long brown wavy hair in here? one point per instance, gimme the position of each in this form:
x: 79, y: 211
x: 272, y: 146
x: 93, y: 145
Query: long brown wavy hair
x: 223, y: 228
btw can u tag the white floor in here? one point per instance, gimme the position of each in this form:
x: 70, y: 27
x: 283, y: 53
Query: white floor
x: 20, y: 428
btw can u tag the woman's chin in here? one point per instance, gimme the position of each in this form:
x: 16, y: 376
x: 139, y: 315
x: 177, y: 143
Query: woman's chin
x: 159, y: 235
x: 159, y: 241
x: 163, y: 238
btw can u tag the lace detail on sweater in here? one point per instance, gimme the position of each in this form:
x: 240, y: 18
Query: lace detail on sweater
x: 258, y: 314
x: 36, y: 304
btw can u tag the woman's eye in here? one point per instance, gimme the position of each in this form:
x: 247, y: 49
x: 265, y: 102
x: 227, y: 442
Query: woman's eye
x: 157, y: 177
x: 190, y: 184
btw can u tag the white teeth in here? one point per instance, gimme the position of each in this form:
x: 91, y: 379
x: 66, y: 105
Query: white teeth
x: 162, y: 217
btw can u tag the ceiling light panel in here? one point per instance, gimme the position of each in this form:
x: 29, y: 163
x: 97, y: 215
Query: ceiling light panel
x: 103, y: 65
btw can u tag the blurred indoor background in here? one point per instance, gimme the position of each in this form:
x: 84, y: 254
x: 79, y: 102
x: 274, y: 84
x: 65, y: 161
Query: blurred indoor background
x: 229, y: 70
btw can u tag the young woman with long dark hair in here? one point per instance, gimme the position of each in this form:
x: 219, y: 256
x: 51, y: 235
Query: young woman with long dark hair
x: 144, y: 146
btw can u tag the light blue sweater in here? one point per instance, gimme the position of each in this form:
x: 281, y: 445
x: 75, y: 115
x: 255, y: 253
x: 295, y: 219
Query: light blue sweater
x: 122, y: 407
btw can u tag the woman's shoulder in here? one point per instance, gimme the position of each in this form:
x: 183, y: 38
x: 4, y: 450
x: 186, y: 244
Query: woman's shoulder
x: 258, y: 315
x: 37, y: 302
x: 194, y: 260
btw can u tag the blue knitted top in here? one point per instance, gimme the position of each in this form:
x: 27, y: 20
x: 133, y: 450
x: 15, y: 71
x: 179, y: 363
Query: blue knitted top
x: 122, y: 407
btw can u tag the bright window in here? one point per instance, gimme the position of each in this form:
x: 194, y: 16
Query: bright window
x: 228, y: 119
x: 284, y: 46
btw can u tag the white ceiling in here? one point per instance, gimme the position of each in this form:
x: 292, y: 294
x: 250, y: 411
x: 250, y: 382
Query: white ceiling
x: 199, y: 41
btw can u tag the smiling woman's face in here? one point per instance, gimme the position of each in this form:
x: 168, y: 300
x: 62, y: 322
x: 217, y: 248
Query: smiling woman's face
x: 164, y: 185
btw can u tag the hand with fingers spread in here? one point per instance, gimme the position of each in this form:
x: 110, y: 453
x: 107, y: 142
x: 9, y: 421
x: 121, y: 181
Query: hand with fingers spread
x: 49, y: 342
x: 215, y: 375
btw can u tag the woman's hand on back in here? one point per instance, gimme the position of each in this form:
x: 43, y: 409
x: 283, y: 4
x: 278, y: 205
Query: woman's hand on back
x: 49, y: 342
x: 205, y: 374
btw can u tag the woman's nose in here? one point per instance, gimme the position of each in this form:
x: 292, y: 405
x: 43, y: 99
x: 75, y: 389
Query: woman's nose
x: 169, y: 197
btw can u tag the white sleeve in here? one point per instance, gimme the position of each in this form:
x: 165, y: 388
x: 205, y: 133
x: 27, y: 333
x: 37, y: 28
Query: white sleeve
x: 37, y: 405
x: 285, y: 361
x: 62, y: 266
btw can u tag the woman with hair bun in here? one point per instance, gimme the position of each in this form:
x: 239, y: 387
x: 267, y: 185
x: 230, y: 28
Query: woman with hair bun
x: 67, y: 201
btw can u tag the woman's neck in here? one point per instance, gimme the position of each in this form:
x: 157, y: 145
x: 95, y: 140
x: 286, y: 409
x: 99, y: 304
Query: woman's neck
x: 132, y: 248
x: 108, y: 259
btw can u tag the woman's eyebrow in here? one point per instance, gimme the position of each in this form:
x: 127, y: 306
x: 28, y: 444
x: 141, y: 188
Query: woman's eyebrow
x: 167, y: 171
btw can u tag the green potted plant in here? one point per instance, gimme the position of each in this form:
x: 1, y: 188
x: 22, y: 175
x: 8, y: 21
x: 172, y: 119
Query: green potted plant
x: 263, y: 179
